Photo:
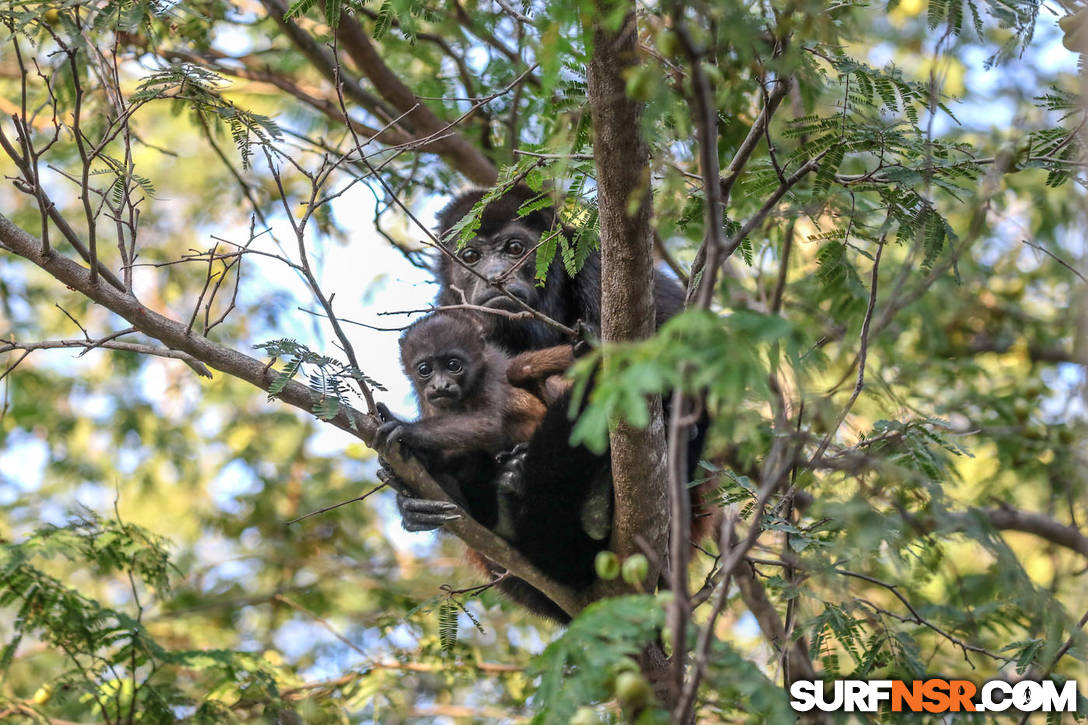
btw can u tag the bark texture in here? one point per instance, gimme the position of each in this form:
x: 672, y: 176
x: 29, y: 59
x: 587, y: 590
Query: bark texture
x: 627, y: 269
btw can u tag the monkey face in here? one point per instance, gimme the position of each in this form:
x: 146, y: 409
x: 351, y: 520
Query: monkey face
x: 444, y: 379
x: 492, y: 258
x: 444, y: 355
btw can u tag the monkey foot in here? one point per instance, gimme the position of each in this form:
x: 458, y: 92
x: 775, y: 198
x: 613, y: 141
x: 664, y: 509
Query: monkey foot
x: 386, y: 475
x: 420, y: 514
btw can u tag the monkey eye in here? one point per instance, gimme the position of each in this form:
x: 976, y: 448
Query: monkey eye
x: 424, y: 369
x: 454, y: 365
x: 470, y: 255
x: 515, y: 248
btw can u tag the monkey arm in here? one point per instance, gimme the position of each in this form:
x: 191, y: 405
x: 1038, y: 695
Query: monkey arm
x: 555, y: 388
x: 532, y: 369
x: 450, y: 434
x: 541, y: 372
x: 523, y: 415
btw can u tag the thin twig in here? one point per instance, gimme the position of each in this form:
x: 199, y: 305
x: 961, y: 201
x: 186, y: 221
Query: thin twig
x: 1056, y: 258
x: 919, y: 619
x: 863, y: 355
x: 377, y: 488
x: 142, y: 349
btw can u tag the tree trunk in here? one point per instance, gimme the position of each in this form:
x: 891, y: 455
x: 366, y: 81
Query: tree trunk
x: 627, y: 272
x: 627, y: 301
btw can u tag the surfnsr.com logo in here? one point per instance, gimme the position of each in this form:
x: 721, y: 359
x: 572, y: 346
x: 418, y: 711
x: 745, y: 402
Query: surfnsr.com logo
x: 933, y: 695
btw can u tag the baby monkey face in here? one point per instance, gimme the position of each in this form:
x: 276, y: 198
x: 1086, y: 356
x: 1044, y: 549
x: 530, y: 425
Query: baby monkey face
x: 445, y: 379
x: 445, y: 356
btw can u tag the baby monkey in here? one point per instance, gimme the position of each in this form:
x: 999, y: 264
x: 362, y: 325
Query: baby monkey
x: 476, y: 403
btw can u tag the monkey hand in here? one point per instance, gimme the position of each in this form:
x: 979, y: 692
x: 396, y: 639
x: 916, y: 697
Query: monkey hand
x: 586, y: 339
x: 387, y: 428
x: 388, y: 476
x: 420, y: 514
x: 509, y: 479
x: 509, y: 490
x: 396, y: 435
x: 506, y: 456
x: 384, y: 414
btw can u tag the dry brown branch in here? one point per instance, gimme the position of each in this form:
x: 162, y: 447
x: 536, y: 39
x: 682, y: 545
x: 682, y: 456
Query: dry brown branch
x: 176, y: 337
x: 88, y: 345
x: 461, y: 154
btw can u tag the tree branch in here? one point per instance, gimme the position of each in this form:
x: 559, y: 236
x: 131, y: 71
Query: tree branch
x: 461, y: 154
x: 176, y: 336
x: 1007, y: 518
x: 89, y: 345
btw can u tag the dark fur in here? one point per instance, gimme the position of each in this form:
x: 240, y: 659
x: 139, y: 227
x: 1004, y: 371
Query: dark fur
x: 563, y: 504
x: 563, y: 298
x: 499, y: 403
x: 467, y: 417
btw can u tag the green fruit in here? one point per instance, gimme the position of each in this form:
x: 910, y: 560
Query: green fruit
x: 1021, y: 409
x: 1066, y: 435
x: 607, y: 564
x: 635, y: 569
x: 51, y: 16
x: 633, y: 691
x: 666, y: 637
x: 668, y: 42
x: 1034, y: 388
x: 1035, y: 432
x: 585, y: 716
x: 625, y: 664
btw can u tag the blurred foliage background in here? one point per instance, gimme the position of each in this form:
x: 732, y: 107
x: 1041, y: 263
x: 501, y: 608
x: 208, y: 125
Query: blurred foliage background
x: 167, y: 567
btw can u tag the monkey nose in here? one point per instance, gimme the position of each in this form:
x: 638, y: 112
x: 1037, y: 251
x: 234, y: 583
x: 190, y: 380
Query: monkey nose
x: 442, y: 390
